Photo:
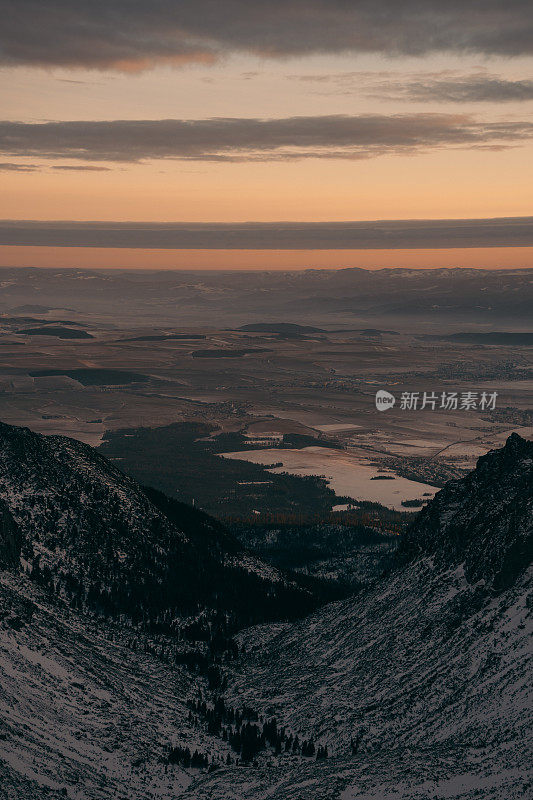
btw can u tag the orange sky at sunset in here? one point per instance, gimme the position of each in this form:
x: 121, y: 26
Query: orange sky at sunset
x: 371, y: 125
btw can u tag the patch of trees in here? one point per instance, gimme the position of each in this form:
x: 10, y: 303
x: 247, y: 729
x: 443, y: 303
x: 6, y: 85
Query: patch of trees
x: 182, y: 461
x: 248, y: 733
x: 58, y: 331
x: 373, y: 516
x: 320, y: 550
x: 183, y: 756
x: 300, y: 440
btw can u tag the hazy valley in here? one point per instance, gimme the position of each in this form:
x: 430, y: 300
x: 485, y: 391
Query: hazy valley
x: 237, y: 578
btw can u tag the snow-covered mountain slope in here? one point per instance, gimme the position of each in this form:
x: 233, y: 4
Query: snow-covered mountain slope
x: 420, y: 687
x: 93, y: 535
x: 435, y: 773
x: 435, y: 659
x: 83, y: 715
x: 423, y: 657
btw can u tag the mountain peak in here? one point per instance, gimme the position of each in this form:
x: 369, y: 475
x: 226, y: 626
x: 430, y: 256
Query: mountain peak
x: 516, y: 444
x: 484, y: 520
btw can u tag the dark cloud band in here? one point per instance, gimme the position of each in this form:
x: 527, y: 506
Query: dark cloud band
x: 8, y: 166
x: 133, y: 34
x: 395, y: 234
x: 222, y: 139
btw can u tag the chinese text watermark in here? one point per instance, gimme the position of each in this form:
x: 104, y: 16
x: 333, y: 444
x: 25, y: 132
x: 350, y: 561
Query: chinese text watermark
x: 438, y: 401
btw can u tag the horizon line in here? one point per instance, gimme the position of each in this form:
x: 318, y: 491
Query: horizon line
x: 238, y: 270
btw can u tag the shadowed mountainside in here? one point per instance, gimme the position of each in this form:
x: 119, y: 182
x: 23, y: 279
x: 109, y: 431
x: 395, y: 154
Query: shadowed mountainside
x: 102, y: 541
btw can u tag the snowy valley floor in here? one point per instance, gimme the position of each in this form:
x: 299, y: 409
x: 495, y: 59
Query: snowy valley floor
x: 83, y: 716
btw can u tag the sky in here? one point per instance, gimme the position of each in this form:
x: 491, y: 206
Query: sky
x: 316, y: 111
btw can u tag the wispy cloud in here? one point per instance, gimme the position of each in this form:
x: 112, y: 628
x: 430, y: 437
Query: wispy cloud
x: 236, y: 139
x: 444, y: 87
x: 393, y: 234
x: 127, y: 35
x: 482, y: 89
x: 81, y: 168
x: 9, y: 166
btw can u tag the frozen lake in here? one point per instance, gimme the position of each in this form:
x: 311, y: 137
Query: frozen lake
x: 347, y: 474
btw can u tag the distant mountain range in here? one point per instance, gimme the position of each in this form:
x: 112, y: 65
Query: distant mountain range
x: 315, y: 298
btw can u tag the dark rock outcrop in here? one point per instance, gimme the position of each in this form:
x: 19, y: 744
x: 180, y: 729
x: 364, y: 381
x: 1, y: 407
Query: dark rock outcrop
x: 484, y: 520
x: 10, y: 539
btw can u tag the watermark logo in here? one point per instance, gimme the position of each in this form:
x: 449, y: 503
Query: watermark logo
x: 384, y: 400
x: 438, y: 401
